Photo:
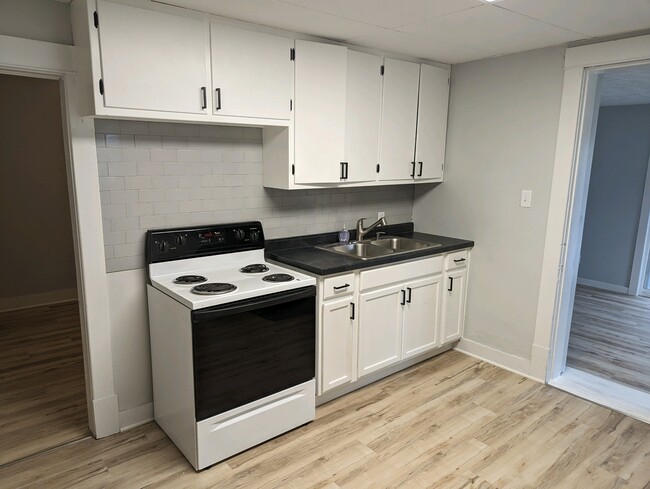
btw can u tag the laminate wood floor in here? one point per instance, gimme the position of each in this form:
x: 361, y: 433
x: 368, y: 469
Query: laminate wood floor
x: 449, y: 422
x: 610, y: 337
x: 42, y: 392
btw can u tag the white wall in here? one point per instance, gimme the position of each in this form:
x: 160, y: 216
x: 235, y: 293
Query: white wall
x: 41, y: 20
x: 616, y: 187
x: 503, y: 122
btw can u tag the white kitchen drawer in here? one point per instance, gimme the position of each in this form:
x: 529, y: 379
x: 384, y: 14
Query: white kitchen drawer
x: 457, y: 259
x: 338, y: 286
x: 399, y: 273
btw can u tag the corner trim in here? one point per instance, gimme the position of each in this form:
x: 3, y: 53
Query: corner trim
x: 106, y: 418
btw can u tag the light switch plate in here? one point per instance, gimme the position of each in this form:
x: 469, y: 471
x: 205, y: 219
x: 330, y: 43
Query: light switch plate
x: 526, y: 198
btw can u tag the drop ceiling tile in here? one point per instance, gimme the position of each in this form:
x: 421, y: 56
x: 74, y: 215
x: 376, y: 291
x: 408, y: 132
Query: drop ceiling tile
x: 420, y: 47
x: 590, y: 17
x: 386, y: 13
x: 491, y: 29
x: 275, y: 13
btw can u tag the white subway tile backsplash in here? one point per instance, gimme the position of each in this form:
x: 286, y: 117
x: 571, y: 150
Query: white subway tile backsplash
x: 169, y: 175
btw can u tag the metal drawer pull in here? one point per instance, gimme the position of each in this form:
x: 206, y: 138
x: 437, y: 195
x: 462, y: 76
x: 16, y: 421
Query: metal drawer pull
x: 409, y: 297
x: 413, y: 169
x: 461, y: 260
x: 352, y: 310
x: 345, y: 286
x: 403, y: 298
x: 420, y: 171
x: 451, y: 284
x: 204, y: 98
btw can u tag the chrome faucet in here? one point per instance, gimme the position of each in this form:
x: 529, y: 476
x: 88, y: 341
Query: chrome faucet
x: 361, y: 231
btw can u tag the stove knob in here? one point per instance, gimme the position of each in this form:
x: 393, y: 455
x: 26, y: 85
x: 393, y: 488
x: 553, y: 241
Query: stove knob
x: 239, y: 234
x: 181, y: 240
x: 255, y: 236
x: 163, y: 246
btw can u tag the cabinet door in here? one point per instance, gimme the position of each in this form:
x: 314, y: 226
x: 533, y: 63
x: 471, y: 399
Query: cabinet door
x: 421, y: 316
x: 380, y: 328
x: 252, y: 73
x: 153, y: 61
x: 338, y: 345
x: 362, y: 116
x: 398, y: 119
x: 432, y: 122
x: 320, y: 75
x: 454, y: 293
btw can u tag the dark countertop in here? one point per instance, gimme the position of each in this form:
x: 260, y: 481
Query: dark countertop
x: 300, y: 252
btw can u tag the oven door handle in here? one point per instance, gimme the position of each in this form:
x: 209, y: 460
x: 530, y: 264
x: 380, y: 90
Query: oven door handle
x: 246, y: 305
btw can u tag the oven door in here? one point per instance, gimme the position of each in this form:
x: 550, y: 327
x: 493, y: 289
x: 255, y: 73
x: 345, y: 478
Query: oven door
x: 247, y: 350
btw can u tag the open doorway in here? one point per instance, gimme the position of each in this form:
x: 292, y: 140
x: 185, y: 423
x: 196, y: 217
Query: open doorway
x: 602, y: 321
x: 610, y: 326
x: 42, y: 388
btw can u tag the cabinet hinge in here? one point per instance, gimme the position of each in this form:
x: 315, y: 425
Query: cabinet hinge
x: 293, y: 169
x: 290, y: 104
x: 101, y: 86
x: 96, y: 19
x: 378, y: 167
x: 381, y: 70
x: 292, y: 54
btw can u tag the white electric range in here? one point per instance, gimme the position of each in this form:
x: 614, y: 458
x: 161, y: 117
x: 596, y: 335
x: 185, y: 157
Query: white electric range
x: 232, y: 340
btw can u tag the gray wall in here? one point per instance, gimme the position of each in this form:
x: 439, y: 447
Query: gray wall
x: 36, y: 245
x: 155, y: 175
x: 503, y: 122
x: 41, y: 20
x: 615, y: 196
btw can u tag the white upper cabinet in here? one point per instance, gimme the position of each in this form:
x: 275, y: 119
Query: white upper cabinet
x: 398, y: 120
x: 362, y: 116
x: 432, y: 122
x: 320, y: 87
x: 252, y: 73
x: 153, y: 61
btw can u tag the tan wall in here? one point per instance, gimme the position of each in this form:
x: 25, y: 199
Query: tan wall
x: 36, y: 247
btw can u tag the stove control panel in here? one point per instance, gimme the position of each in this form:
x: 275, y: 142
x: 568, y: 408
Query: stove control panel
x: 178, y: 244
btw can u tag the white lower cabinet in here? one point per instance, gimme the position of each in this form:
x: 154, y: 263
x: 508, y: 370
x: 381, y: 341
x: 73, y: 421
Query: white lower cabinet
x: 380, y: 328
x: 377, y: 318
x: 454, y: 294
x: 338, y: 343
x: 421, y: 316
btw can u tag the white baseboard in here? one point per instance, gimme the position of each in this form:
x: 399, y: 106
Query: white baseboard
x: 139, y: 415
x: 506, y: 361
x: 603, y: 285
x: 621, y: 398
x: 33, y: 300
x: 106, y: 418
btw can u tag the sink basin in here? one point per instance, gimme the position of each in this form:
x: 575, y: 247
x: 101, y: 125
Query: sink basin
x: 358, y: 250
x: 384, y: 246
x: 398, y: 244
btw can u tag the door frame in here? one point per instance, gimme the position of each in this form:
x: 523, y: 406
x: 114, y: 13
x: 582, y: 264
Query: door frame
x: 26, y: 57
x: 548, y: 356
x: 642, y: 247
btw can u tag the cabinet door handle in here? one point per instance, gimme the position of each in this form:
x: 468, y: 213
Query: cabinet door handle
x: 344, y: 170
x: 460, y: 260
x: 451, y: 284
x: 218, y: 91
x: 420, y: 170
x: 204, y: 98
x: 352, y: 310
x: 413, y: 169
x: 409, y: 297
x: 403, y: 297
x: 340, y: 287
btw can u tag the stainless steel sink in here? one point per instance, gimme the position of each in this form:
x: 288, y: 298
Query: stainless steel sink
x: 398, y: 244
x: 384, y: 246
x: 363, y: 251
